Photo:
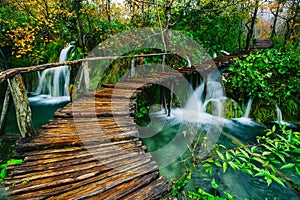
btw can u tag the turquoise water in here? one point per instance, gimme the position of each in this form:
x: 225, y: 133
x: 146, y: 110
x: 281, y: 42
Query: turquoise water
x: 42, y: 112
x: 238, y: 183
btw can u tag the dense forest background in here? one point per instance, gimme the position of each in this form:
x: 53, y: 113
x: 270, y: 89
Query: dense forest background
x: 33, y: 32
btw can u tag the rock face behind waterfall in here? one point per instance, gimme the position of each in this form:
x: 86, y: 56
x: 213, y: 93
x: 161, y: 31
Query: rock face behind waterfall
x: 55, y: 81
x: 230, y: 108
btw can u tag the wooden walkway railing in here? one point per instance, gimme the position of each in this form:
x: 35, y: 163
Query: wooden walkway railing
x: 101, y: 161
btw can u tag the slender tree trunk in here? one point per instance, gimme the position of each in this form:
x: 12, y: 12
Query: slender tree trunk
x: 108, y: 8
x: 251, y: 28
x: 80, y: 31
x: 168, y: 24
x: 273, y: 33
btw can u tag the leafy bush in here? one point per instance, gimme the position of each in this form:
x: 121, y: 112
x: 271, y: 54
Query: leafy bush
x: 270, y: 77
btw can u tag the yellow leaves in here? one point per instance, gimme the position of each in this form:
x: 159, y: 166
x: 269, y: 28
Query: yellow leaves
x: 23, y: 39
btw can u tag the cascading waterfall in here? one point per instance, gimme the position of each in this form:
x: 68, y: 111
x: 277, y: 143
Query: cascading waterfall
x: 54, y: 82
x: 248, y: 108
x: 279, y: 113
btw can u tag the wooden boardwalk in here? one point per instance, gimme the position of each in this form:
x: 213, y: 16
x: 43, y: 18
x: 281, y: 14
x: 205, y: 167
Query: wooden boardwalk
x: 90, y: 157
x: 86, y: 154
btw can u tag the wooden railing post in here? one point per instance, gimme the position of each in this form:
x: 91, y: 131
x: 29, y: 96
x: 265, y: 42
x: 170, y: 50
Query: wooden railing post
x: 84, y: 80
x: 23, y: 111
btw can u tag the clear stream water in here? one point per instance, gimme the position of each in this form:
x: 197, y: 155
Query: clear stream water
x: 173, y: 134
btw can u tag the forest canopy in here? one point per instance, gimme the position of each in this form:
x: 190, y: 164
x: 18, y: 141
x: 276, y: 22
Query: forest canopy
x: 33, y: 32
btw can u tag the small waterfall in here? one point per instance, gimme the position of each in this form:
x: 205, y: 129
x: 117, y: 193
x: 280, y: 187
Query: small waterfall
x: 214, y: 95
x: 194, y: 103
x: 55, y: 81
x: 248, y: 108
x: 279, y: 113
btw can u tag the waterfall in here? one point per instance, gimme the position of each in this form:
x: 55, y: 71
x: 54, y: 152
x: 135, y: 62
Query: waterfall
x: 248, y: 108
x: 279, y: 113
x: 214, y: 94
x: 55, y: 81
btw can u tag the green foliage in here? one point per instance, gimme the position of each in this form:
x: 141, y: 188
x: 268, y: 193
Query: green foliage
x: 269, y: 77
x: 274, y: 153
x: 3, y: 173
x: 277, y: 149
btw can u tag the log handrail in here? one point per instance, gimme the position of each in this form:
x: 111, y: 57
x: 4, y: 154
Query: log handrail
x: 21, y: 70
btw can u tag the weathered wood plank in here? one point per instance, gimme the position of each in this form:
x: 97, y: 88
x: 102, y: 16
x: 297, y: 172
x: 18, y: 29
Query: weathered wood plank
x: 156, y: 190
x: 109, y: 182
x: 49, y: 152
x: 109, y: 164
x: 120, y: 191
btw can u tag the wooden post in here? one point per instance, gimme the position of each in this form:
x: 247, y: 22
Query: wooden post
x: 163, y: 99
x: 132, y: 70
x: 170, y: 101
x: 84, y: 80
x: 5, y: 110
x: 23, y: 111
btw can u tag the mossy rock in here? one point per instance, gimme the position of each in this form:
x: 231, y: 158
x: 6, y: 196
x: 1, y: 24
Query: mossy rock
x: 225, y: 107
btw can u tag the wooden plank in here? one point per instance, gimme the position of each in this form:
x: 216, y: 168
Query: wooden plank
x: 156, y: 190
x: 109, y: 182
x: 110, y: 163
x: 75, y: 149
x: 88, y: 179
x: 120, y: 191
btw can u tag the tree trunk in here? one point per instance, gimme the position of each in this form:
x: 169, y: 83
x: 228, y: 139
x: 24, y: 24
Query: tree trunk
x: 80, y: 30
x: 23, y: 111
x: 168, y: 24
x: 108, y: 2
x: 251, y: 28
x: 273, y: 33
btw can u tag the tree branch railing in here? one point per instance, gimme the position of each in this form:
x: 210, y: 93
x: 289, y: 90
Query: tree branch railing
x: 21, y: 70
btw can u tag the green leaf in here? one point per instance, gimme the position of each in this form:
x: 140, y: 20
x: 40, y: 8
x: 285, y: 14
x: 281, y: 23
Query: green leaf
x: 232, y: 165
x: 297, y: 170
x: 224, y: 167
x: 287, y: 166
x: 217, y: 163
x: 254, y: 149
x: 266, y: 153
x: 273, y: 128
x: 220, y: 155
x: 214, y: 184
x: 280, y: 156
x: 244, y: 153
x: 206, y: 165
x: 228, y: 156
x: 261, y: 173
x: 269, y: 180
